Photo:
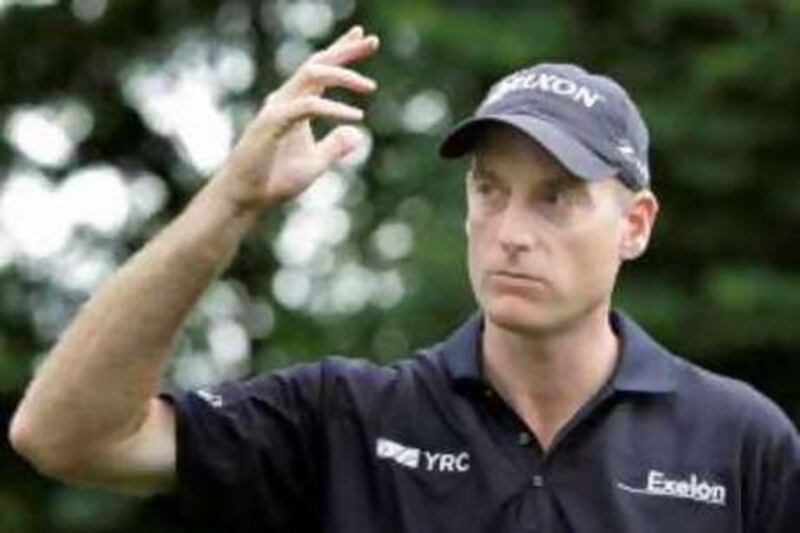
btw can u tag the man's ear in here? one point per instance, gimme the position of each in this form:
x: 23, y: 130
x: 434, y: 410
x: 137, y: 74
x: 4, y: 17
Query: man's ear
x: 639, y: 216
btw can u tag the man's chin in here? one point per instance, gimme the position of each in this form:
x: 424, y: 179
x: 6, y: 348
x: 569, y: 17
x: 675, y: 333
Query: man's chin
x: 521, y: 316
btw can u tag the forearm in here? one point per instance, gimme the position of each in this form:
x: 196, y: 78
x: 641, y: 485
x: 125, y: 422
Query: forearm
x: 95, y: 386
x: 89, y: 413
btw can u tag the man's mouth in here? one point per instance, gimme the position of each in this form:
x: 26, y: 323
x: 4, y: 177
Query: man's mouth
x: 518, y: 276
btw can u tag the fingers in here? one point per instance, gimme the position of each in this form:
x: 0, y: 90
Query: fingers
x: 353, y: 33
x: 335, y: 145
x: 324, y: 69
x: 351, y: 46
x: 310, y: 106
x: 348, y: 51
x: 300, y: 97
x: 316, y: 77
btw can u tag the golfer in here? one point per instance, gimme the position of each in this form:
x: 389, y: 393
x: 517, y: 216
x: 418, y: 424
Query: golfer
x: 546, y: 411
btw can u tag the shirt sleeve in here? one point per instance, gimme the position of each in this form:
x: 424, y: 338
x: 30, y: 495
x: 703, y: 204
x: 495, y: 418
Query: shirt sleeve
x: 774, y: 473
x: 784, y: 496
x: 247, y: 457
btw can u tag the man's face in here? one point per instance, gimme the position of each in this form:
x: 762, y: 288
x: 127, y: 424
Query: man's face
x: 544, y: 245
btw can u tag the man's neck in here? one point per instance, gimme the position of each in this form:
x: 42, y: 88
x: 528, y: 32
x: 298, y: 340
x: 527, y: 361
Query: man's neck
x: 546, y: 378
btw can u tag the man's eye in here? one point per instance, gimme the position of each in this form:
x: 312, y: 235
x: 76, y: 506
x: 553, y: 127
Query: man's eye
x: 554, y: 196
x: 558, y: 195
x: 485, y: 187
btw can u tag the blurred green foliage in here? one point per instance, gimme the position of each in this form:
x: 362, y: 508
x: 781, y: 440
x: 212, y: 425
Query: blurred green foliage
x: 718, y: 82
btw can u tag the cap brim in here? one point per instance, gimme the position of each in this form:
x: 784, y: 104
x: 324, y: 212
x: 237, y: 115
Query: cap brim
x: 578, y: 159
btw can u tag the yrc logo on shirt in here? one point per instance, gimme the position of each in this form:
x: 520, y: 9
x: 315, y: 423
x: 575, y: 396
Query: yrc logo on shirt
x: 416, y: 458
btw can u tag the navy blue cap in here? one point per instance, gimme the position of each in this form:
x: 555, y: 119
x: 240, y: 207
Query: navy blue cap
x: 587, y: 121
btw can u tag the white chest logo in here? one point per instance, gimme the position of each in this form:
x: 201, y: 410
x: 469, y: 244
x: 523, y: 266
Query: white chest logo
x: 415, y: 458
x: 693, y: 488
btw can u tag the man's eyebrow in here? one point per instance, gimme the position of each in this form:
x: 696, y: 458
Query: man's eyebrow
x: 479, y: 171
x: 556, y: 177
x: 562, y: 179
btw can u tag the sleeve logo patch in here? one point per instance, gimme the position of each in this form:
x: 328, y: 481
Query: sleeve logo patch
x: 212, y: 399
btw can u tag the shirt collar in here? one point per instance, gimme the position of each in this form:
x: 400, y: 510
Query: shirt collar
x: 644, y: 365
x: 462, y: 352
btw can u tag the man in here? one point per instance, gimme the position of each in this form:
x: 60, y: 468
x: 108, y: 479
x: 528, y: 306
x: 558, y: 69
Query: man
x: 547, y: 411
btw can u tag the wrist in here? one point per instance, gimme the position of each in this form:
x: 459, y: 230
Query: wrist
x: 210, y: 229
x: 224, y: 195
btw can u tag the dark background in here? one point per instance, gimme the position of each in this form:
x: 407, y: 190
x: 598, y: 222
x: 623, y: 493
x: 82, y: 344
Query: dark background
x: 371, y: 263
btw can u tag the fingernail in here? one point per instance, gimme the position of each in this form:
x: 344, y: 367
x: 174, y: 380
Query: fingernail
x: 352, y: 136
x: 356, y: 29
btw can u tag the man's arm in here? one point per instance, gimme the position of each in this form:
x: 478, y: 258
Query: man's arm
x: 90, y: 414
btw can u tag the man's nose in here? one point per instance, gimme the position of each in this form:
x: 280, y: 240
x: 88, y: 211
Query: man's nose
x: 516, y: 232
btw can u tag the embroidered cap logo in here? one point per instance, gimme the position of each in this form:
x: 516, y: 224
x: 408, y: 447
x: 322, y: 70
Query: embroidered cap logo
x: 547, y: 83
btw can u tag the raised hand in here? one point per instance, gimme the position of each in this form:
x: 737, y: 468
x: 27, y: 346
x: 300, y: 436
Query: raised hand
x: 278, y: 157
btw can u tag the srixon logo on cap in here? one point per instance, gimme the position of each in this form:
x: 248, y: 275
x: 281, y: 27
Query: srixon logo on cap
x: 547, y: 83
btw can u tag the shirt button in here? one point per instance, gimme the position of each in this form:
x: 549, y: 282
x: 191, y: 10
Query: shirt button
x: 523, y: 438
x: 538, y: 481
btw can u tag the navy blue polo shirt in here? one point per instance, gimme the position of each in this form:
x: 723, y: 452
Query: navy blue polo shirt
x: 425, y: 446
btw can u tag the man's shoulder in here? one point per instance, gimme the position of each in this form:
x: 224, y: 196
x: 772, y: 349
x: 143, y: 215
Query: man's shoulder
x: 715, y: 395
x: 363, y: 373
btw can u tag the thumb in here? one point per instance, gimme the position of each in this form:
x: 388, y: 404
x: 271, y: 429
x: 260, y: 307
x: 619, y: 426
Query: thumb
x: 340, y: 142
